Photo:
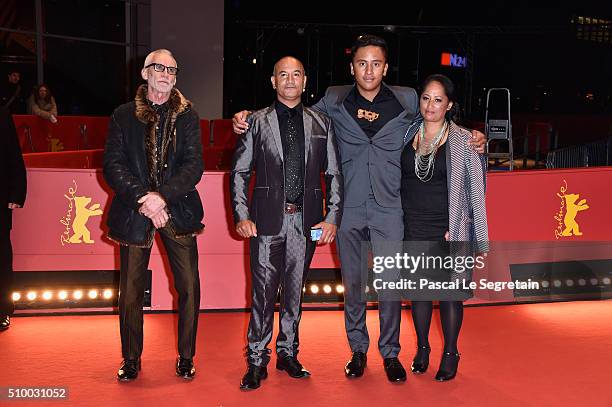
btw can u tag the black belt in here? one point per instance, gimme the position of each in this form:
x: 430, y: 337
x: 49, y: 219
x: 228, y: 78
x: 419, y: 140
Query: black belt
x: 292, y: 208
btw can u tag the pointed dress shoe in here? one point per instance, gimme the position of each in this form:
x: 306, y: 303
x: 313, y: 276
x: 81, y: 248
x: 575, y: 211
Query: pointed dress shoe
x: 355, y: 366
x: 253, y: 377
x: 292, y: 366
x: 185, y: 368
x: 420, y: 363
x: 394, y: 370
x: 5, y: 322
x: 128, y: 370
x: 448, y: 366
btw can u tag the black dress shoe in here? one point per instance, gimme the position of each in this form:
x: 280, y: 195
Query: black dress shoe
x: 128, y: 370
x: 292, y: 366
x: 185, y: 368
x: 420, y: 363
x: 355, y: 366
x: 253, y: 377
x: 448, y: 366
x: 5, y: 322
x: 394, y: 369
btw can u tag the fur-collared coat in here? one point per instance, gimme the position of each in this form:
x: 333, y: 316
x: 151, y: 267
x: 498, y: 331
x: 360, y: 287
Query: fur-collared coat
x: 131, y: 167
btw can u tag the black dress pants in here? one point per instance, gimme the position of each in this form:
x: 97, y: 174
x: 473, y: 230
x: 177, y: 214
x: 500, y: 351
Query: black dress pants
x: 183, y: 258
x: 6, y: 273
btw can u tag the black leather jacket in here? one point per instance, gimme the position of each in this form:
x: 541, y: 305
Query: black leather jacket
x: 128, y: 157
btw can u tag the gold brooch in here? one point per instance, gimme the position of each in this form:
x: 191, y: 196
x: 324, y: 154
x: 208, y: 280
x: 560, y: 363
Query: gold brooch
x: 366, y: 114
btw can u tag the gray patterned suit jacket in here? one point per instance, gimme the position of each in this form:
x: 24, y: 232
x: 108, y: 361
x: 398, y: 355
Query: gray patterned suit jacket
x: 260, y: 149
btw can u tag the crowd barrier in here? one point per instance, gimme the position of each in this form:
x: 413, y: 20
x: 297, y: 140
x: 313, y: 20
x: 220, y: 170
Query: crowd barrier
x: 61, y: 228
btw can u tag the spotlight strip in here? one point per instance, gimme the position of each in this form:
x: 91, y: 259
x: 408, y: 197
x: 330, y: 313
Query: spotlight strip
x: 48, y: 295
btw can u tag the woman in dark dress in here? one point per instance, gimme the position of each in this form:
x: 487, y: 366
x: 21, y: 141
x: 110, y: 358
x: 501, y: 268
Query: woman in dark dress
x: 443, y: 184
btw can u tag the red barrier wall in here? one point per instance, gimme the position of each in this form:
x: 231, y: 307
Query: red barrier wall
x: 522, y: 206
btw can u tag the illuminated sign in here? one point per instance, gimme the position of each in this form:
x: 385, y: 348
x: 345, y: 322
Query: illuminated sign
x: 453, y: 60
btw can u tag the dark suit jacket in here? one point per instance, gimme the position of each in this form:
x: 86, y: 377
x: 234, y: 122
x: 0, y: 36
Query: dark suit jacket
x: 366, y: 161
x: 260, y: 149
x: 12, y: 170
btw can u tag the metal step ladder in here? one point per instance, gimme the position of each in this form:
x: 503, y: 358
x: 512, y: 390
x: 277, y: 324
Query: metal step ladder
x: 499, y: 128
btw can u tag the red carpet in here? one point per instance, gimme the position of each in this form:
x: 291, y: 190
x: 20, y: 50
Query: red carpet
x: 522, y: 355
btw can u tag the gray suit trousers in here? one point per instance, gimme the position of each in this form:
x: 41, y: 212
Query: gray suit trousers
x: 278, y: 261
x: 379, y: 226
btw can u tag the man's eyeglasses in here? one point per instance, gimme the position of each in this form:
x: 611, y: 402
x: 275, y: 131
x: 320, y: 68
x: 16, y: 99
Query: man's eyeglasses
x: 161, y: 68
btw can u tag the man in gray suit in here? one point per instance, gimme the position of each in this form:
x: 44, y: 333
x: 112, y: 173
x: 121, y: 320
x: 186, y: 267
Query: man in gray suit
x: 288, y: 146
x: 370, y: 120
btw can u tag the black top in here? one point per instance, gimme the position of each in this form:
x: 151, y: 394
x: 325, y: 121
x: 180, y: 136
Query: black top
x: 291, y: 125
x: 372, y: 116
x: 425, y: 204
x: 11, y: 98
x: 13, y: 182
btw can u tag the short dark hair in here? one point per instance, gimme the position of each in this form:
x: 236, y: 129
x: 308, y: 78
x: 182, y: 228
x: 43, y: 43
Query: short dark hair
x: 449, y: 90
x: 367, y: 40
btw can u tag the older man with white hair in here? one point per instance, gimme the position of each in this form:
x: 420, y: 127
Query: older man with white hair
x: 153, y: 162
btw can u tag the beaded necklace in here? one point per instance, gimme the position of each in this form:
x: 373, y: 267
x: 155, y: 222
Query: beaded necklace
x: 425, y: 155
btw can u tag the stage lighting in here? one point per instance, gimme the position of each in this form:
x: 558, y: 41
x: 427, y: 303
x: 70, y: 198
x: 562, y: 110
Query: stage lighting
x: 545, y: 284
x: 557, y: 283
x: 569, y: 283
x: 582, y: 282
x: 327, y: 289
x: 71, y: 289
x: 605, y: 280
x: 314, y: 289
x: 594, y: 281
x: 16, y: 296
x: 339, y: 288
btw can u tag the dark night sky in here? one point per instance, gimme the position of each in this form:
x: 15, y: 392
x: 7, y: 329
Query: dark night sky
x: 419, y: 13
x: 538, y: 57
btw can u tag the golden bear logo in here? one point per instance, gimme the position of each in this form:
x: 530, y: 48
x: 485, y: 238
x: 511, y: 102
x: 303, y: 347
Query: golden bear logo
x: 83, y: 213
x: 75, y: 230
x: 566, y: 217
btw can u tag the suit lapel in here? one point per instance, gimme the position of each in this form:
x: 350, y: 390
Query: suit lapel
x: 273, y: 122
x: 307, y: 134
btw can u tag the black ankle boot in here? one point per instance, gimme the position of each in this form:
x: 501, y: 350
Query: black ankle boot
x: 448, y: 366
x: 420, y: 363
